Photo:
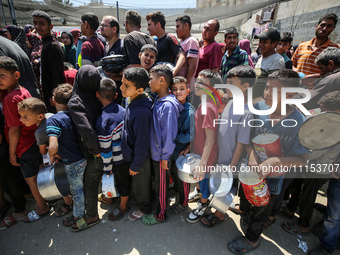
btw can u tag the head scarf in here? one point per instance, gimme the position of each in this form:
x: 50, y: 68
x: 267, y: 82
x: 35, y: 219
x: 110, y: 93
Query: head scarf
x: 36, y: 45
x: 76, y: 34
x: 70, y: 50
x: 27, y: 28
x: 18, y: 36
x: 245, y: 45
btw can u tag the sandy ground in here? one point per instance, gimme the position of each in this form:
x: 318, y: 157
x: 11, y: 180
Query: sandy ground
x: 177, y: 236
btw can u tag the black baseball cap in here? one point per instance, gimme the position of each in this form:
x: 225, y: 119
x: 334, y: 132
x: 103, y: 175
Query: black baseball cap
x: 270, y: 33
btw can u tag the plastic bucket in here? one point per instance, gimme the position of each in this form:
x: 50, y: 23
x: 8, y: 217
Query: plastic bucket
x: 109, y: 186
x: 255, y: 190
x: 52, y: 182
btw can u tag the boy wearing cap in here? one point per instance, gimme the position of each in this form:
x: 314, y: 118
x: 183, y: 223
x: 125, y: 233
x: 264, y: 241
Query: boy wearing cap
x: 269, y: 61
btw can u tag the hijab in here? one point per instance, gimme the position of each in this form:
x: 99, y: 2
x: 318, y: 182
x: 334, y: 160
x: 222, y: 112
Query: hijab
x: 36, y: 45
x: 76, y: 34
x: 70, y: 50
x: 245, y: 45
x: 18, y: 36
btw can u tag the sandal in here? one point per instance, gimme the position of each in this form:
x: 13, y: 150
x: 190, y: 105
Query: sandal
x: 82, y: 225
x: 117, y: 214
x: 60, y: 212
x: 211, y: 219
x: 102, y: 200
x: 7, y: 222
x: 134, y: 216
x: 68, y: 222
x: 34, y: 216
x: 150, y: 219
x: 176, y: 209
x: 268, y: 222
x: 241, y: 246
x: 284, y: 213
x: 234, y: 209
x: 294, y: 229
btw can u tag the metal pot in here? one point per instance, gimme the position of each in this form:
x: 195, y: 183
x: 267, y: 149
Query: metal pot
x: 52, y: 182
x: 186, y: 167
x: 109, y: 186
x: 222, y: 204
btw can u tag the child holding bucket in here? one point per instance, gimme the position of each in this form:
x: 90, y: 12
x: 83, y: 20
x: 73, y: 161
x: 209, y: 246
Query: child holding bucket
x: 64, y: 146
x: 294, y: 154
x: 37, y: 109
x: 232, y: 139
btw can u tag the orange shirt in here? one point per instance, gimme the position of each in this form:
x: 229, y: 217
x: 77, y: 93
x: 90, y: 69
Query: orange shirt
x: 304, y: 56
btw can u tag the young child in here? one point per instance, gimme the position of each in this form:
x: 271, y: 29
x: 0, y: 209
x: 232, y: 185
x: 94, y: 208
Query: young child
x: 232, y: 139
x: 109, y: 128
x: 283, y: 45
x: 136, y: 137
x: 294, y: 154
x: 185, y: 135
x: 37, y: 110
x: 163, y: 133
x: 23, y: 150
x: 148, y: 55
x: 205, y: 140
x: 64, y: 146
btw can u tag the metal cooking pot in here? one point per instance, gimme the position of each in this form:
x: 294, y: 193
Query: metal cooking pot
x: 52, y: 182
x: 222, y: 204
x: 186, y: 167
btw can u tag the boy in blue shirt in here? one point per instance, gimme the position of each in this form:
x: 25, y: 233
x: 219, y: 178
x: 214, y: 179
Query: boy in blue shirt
x: 109, y: 128
x: 64, y: 146
x: 163, y: 133
x: 136, y: 137
x: 185, y: 135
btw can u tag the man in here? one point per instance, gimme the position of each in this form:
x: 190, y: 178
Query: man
x: 52, y: 57
x: 210, y: 54
x: 269, y: 62
x: 109, y: 29
x: 305, y: 55
x: 92, y: 50
x: 329, y: 64
x: 190, y: 48
x: 233, y: 56
x: 135, y: 39
x: 167, y: 45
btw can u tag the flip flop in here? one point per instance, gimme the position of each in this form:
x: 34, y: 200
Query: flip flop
x: 8, y: 222
x: 233, y: 208
x: 150, y: 219
x: 117, y: 214
x: 268, y: 222
x: 212, y: 220
x: 69, y: 221
x: 34, y: 216
x: 241, y: 246
x: 82, y: 225
x: 134, y: 217
x: 294, y: 229
x: 60, y: 211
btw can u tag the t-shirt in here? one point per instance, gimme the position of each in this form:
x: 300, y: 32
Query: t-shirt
x: 168, y: 48
x: 133, y: 42
x: 61, y: 126
x: 190, y: 48
x: 40, y: 132
x: 210, y: 56
x: 288, y: 62
x: 116, y: 49
x: 202, y: 122
x: 288, y: 130
x: 92, y: 51
x: 233, y: 131
x: 263, y: 68
x: 12, y: 119
x: 237, y: 58
x: 305, y: 55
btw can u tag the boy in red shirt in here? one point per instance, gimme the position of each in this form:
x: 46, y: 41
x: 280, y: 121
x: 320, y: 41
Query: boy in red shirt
x: 23, y: 150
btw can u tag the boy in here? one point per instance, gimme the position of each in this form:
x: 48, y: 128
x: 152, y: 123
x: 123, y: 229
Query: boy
x: 294, y: 154
x: 23, y: 150
x: 148, y: 56
x: 163, y: 133
x: 109, y: 128
x: 205, y: 140
x: 185, y: 134
x: 92, y: 50
x: 232, y: 139
x: 269, y: 61
x: 283, y: 45
x: 136, y: 137
x: 64, y: 146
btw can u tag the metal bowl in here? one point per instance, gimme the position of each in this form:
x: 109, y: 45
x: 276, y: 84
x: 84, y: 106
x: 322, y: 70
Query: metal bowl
x: 220, y: 181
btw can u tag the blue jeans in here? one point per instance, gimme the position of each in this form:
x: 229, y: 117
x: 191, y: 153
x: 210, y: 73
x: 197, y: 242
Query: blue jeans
x: 75, y: 176
x: 329, y: 236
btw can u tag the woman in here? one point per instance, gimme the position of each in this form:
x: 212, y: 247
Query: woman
x: 35, y: 44
x: 245, y: 45
x: 17, y: 35
x: 70, y: 48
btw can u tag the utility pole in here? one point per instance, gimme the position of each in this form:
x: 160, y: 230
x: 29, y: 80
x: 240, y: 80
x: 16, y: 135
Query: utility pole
x: 117, y: 10
x: 12, y: 12
x: 3, y: 13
